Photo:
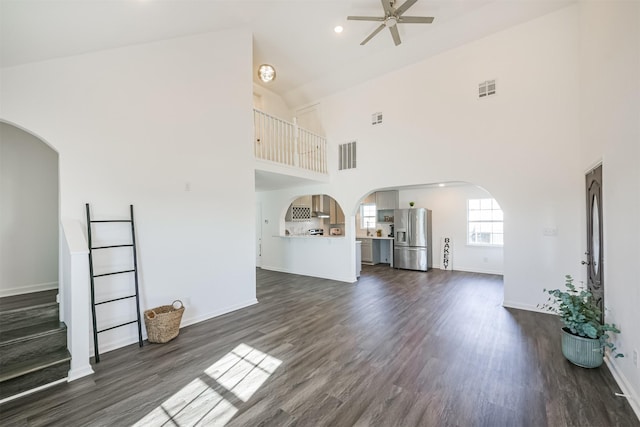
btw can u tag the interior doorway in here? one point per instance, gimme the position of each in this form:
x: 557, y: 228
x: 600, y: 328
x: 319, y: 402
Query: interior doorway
x: 29, y: 213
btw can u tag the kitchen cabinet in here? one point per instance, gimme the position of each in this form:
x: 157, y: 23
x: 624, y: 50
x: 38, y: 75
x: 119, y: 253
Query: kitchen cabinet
x: 366, y: 250
x: 370, y: 251
x: 336, y: 215
x: 298, y: 213
x: 376, y: 250
x: 387, y: 200
x: 299, y: 210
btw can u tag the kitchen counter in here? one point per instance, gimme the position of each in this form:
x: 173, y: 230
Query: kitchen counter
x: 308, y: 236
x: 375, y: 237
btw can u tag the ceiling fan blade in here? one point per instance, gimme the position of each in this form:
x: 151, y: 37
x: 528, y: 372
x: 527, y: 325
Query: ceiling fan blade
x: 406, y: 5
x: 365, y: 18
x: 376, y: 31
x: 388, y: 9
x: 415, y: 20
x: 395, y: 34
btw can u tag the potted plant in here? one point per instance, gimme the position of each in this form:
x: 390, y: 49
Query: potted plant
x: 584, y: 338
x: 411, y: 204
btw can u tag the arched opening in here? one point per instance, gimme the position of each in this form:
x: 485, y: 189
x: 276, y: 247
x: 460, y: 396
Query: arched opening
x: 314, y: 215
x: 466, y: 221
x: 29, y: 213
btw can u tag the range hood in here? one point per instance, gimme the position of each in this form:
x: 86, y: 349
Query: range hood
x: 320, y: 206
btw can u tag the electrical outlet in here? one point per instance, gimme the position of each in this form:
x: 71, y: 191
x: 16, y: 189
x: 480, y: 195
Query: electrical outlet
x: 635, y: 358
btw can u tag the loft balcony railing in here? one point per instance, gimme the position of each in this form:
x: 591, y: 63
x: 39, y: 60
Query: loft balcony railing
x: 286, y: 143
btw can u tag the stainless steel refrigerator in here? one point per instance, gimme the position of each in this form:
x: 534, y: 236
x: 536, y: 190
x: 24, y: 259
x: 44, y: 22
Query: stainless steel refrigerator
x: 412, y: 249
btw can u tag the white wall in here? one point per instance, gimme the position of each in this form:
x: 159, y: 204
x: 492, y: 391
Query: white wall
x: 315, y: 256
x: 28, y: 213
x: 520, y: 145
x: 165, y: 126
x: 610, y: 133
x: 271, y: 103
x: 449, y: 219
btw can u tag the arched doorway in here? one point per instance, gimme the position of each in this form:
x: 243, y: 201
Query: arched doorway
x: 466, y: 221
x: 29, y: 213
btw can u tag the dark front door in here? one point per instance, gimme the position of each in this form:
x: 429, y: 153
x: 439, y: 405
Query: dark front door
x: 594, y: 254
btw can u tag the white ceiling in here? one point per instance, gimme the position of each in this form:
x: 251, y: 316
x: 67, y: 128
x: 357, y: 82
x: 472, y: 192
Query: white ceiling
x: 296, y: 36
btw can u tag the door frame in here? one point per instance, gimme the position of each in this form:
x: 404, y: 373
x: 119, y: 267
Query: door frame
x: 595, y: 240
x: 258, y: 245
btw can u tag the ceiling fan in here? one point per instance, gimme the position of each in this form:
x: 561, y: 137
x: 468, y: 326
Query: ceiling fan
x: 391, y: 18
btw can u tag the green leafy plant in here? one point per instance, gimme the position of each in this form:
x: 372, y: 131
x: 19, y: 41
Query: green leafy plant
x: 580, y: 314
x: 411, y: 204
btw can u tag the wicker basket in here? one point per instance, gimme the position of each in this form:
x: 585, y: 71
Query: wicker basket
x: 163, y: 323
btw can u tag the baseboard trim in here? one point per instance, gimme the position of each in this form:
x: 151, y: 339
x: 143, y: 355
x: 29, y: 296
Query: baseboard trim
x: 476, y: 270
x: 520, y: 306
x: 623, y: 383
x: 75, y: 374
x: 227, y: 310
x: 329, y: 277
x: 186, y: 321
x: 354, y: 279
x: 29, y: 289
x: 33, y: 390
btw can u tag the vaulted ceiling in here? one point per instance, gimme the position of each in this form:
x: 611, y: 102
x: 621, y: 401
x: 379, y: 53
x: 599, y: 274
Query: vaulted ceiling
x: 296, y: 36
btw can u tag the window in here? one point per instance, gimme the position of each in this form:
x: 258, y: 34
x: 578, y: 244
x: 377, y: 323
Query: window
x: 368, y: 215
x: 484, y: 222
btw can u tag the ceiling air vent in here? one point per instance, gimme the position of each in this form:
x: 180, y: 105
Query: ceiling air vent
x: 486, y: 88
x: 376, y: 118
x: 347, y: 156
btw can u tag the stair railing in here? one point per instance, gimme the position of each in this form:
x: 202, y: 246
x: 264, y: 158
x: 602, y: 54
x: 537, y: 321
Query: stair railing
x: 286, y: 143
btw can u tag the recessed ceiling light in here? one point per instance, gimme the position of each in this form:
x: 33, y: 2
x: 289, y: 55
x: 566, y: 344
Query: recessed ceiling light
x: 338, y: 29
x: 266, y: 73
x: 441, y: 184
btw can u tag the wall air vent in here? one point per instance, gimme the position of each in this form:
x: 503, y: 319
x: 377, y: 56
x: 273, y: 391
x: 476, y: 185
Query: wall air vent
x: 486, y: 88
x: 376, y: 118
x: 347, y: 156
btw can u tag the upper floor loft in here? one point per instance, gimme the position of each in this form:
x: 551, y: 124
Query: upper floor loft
x: 286, y: 154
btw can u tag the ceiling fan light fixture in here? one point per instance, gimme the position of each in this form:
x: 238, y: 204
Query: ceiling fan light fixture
x: 392, y: 17
x: 266, y: 73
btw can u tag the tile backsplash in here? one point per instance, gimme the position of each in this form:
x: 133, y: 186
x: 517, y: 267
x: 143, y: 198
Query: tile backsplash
x: 301, y: 228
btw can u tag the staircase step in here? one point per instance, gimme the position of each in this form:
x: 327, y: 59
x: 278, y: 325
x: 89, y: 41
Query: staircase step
x: 21, y: 368
x: 27, y: 300
x: 19, y: 311
x: 32, y: 341
x: 20, y: 318
x: 22, y: 376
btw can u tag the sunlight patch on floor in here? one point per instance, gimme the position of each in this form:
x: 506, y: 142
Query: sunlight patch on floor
x: 243, y: 370
x: 209, y: 399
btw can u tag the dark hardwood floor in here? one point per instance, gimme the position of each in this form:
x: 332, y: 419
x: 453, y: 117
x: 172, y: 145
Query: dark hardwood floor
x: 398, y: 348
